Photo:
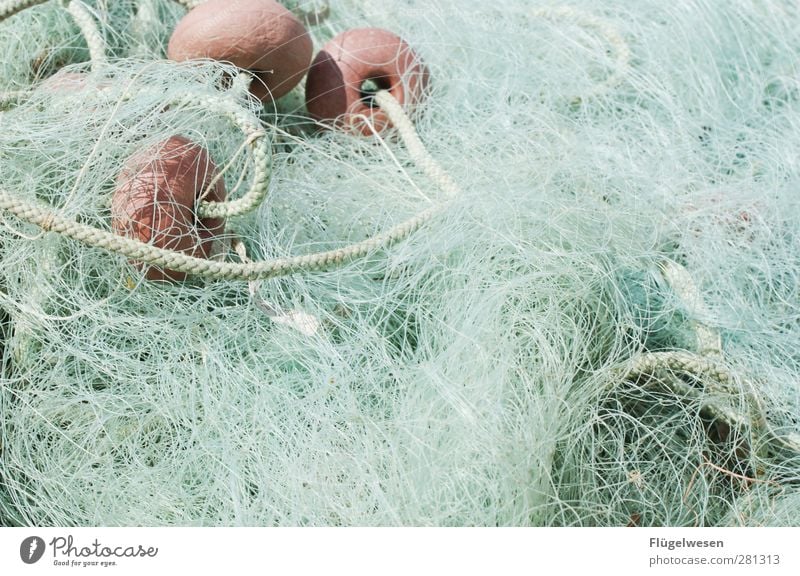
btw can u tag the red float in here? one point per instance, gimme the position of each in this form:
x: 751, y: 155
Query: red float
x: 155, y: 201
x: 352, y: 67
x: 260, y: 36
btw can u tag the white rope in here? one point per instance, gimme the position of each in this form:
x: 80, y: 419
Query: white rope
x: 708, y: 359
x: 259, y: 149
x: 411, y: 140
x: 664, y: 368
x: 80, y: 14
x: 255, y: 139
x: 676, y: 362
x: 10, y: 7
x: 708, y: 362
x: 90, y: 31
x: 709, y: 341
x: 680, y: 361
x: 47, y: 219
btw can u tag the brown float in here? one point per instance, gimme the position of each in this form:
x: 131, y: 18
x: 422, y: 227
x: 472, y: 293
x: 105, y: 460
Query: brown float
x: 155, y: 201
x: 260, y: 36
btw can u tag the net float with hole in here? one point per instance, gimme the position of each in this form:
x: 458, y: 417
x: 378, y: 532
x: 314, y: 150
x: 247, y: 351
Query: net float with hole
x: 156, y: 197
x: 260, y: 36
x: 352, y: 67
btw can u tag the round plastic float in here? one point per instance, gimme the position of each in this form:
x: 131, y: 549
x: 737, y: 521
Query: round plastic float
x: 352, y: 67
x: 155, y: 201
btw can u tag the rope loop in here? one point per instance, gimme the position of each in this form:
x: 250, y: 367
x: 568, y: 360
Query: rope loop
x: 46, y: 218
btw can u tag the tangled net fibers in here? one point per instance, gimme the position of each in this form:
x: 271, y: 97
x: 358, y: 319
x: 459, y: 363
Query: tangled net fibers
x: 602, y: 328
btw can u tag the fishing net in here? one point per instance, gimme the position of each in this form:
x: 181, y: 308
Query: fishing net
x: 578, y: 304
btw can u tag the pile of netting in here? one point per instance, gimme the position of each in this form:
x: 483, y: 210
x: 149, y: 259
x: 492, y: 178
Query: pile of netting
x: 601, y: 328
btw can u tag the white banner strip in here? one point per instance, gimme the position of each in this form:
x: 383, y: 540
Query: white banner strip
x: 387, y: 551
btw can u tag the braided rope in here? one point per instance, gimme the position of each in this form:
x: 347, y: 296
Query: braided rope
x: 47, y: 219
x: 10, y: 7
x: 708, y: 358
x: 708, y: 362
x: 90, y: 31
x: 681, y: 361
x: 620, y: 48
x: 255, y: 139
x: 259, y: 149
x: 675, y: 362
x: 414, y: 145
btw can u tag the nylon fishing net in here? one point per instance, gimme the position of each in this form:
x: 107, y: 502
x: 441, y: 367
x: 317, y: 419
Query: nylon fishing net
x: 596, y: 323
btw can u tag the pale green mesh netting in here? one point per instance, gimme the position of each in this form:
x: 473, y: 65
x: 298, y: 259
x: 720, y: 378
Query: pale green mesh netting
x: 482, y: 371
